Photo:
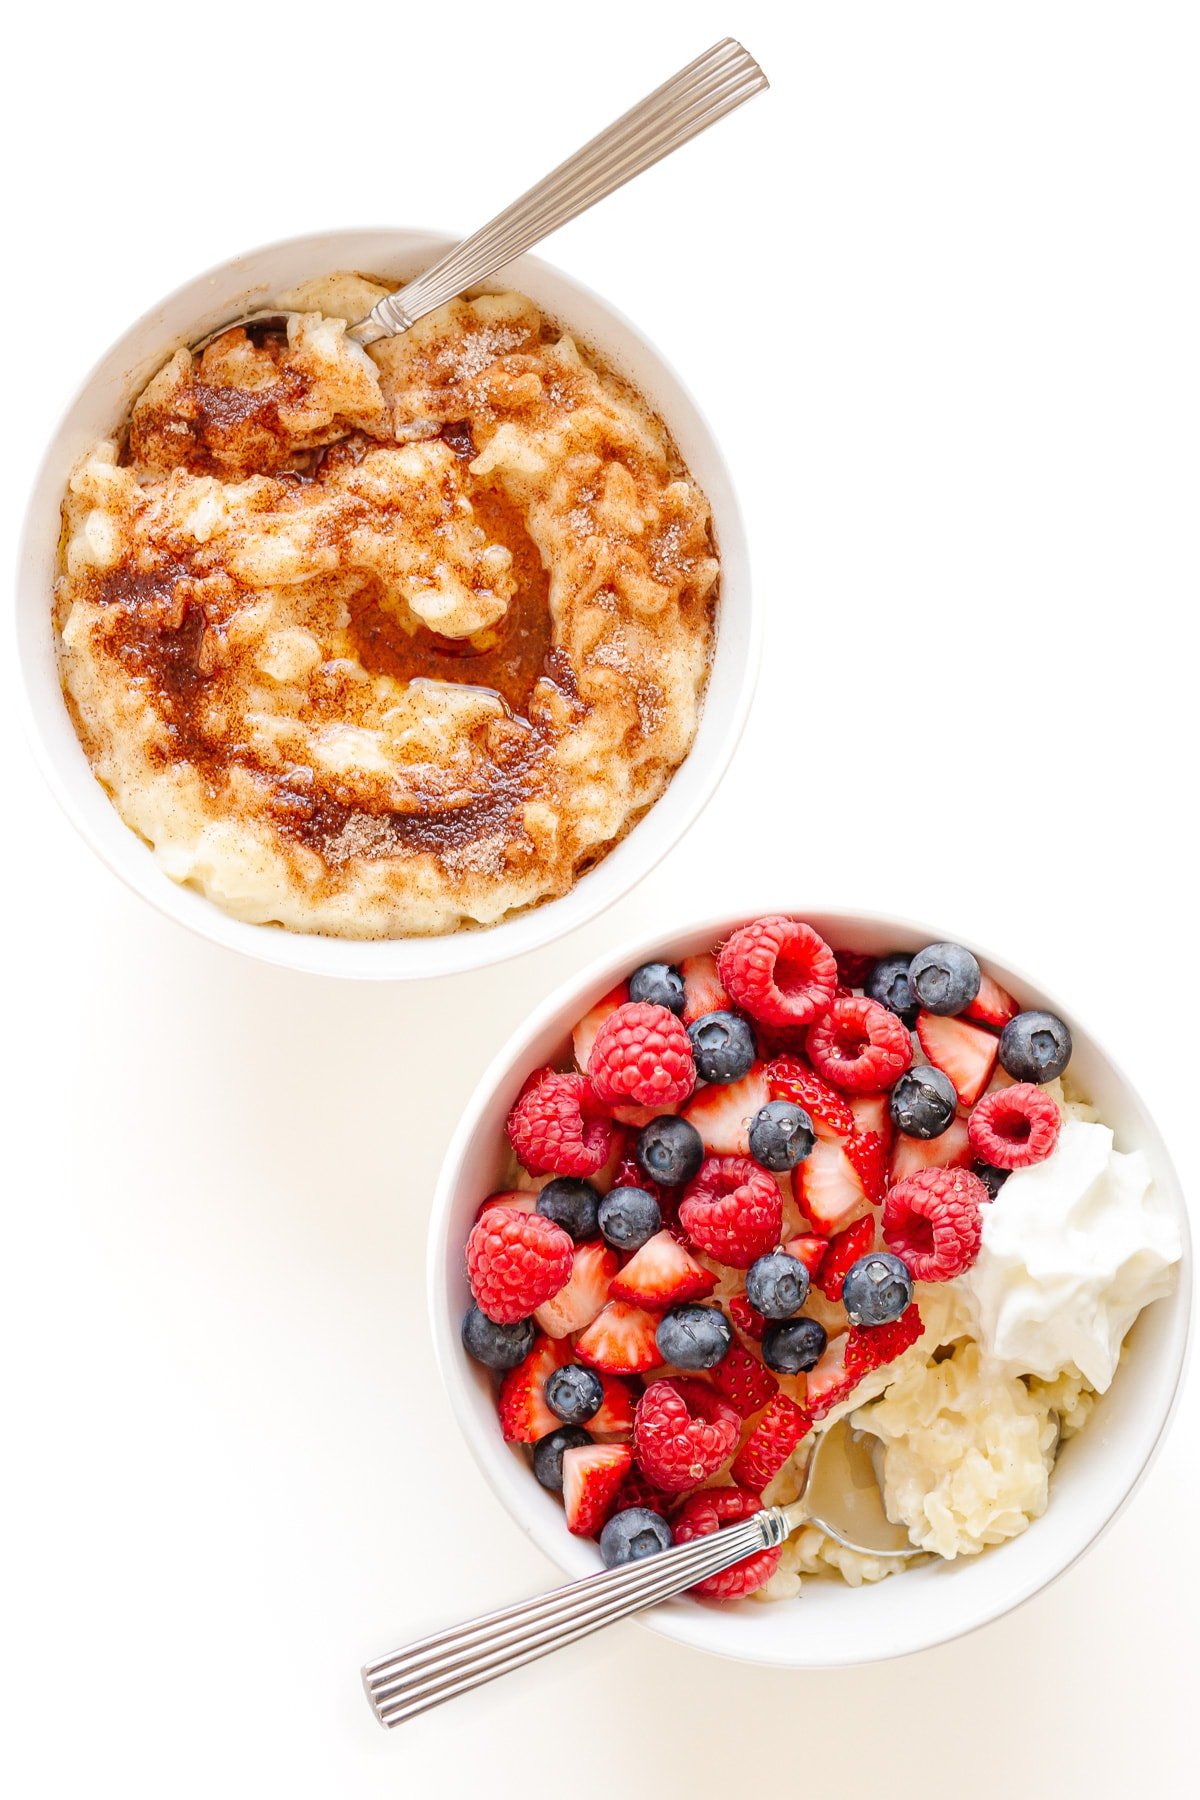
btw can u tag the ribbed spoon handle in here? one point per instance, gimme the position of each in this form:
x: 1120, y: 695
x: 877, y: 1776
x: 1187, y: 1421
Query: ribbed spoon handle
x: 711, y: 86
x: 436, y: 1668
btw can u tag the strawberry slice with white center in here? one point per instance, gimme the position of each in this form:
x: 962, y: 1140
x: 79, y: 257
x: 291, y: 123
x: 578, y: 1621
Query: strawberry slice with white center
x: 662, y: 1274
x: 873, y: 1112
x: 722, y: 1113
x: 992, y: 1005
x: 966, y: 1053
x: 516, y: 1199
x: 703, y: 991
x: 592, y: 1478
x: 828, y: 1188
x: 620, y: 1340
x: 808, y: 1250
x: 829, y: 1383
x: 524, y: 1415
x: 584, y: 1034
x: 576, y: 1305
x: 950, y: 1151
x: 615, y: 1417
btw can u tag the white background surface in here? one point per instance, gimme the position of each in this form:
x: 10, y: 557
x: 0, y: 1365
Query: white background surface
x: 939, y: 294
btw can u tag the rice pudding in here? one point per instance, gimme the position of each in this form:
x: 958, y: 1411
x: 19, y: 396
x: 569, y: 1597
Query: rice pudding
x: 386, y: 642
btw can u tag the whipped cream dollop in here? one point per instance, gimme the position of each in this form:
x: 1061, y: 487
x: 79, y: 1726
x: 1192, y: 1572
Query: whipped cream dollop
x: 1073, y: 1248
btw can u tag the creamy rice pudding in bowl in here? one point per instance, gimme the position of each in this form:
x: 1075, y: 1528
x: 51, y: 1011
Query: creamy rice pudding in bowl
x: 385, y: 662
x: 944, y: 1215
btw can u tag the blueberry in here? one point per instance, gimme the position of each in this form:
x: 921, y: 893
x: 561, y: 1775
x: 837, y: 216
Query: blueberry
x: 659, y: 984
x: 923, y: 1102
x: 694, y: 1337
x: 548, y: 1454
x: 790, y: 1346
x: 877, y: 1289
x: 571, y: 1204
x: 629, y: 1218
x: 777, y: 1285
x: 1035, y: 1046
x: 992, y: 1179
x: 722, y: 1046
x: 632, y: 1534
x: 781, y: 1135
x: 888, y: 983
x: 669, y: 1150
x: 574, y: 1394
x: 944, y: 977
x: 496, y: 1346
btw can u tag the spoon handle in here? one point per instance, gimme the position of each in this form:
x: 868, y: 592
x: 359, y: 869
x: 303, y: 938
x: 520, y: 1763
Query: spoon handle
x: 437, y: 1668
x: 711, y: 86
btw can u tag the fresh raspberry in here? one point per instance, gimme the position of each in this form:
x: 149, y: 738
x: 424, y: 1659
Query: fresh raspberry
x: 733, y: 1210
x: 558, y: 1127
x: 682, y: 1433
x: 844, y: 1250
x: 779, y: 971
x: 790, y: 1079
x: 747, y: 1318
x: 859, y: 1045
x: 744, y: 1381
x: 1015, y: 1126
x: 515, y: 1261
x: 870, y: 1347
x: 932, y: 1220
x: 770, y: 1443
x: 853, y: 967
x: 637, y: 1491
x: 868, y: 1158
x: 703, y: 1513
x: 642, y: 1054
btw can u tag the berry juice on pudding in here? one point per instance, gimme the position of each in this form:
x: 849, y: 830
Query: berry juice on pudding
x: 783, y: 1185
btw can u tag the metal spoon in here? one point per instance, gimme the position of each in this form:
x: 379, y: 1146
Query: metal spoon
x: 711, y: 86
x: 840, y: 1494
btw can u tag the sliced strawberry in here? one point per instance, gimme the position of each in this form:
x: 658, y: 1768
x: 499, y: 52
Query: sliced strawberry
x: 620, y: 1340
x: 747, y: 1318
x: 524, y: 1415
x: 637, y: 1116
x: 615, y: 1418
x: 744, y: 1381
x: 992, y: 1005
x: 702, y: 988
x: 808, y: 1250
x: 873, y: 1112
x: 722, y: 1113
x: 662, y: 1274
x: 584, y: 1034
x: 828, y: 1188
x: 593, y: 1475
x: 791, y: 1079
x: 770, y: 1443
x: 516, y: 1199
x: 966, y: 1053
x: 577, y: 1304
x: 844, y: 1250
x: 871, y: 1347
x: 866, y: 1153
x: 950, y: 1151
x: 831, y: 1382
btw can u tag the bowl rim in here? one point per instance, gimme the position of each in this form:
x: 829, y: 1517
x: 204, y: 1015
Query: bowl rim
x: 697, y: 1624
x: 447, y: 953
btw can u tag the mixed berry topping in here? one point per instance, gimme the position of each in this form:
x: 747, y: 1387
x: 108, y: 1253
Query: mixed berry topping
x: 723, y: 1211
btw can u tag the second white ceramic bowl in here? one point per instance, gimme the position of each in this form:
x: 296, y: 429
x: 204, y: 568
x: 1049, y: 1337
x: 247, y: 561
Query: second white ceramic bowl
x: 251, y: 281
x: 832, y: 1625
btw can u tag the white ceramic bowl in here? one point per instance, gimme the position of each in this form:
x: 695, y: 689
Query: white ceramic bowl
x: 833, y: 1625
x: 97, y: 409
